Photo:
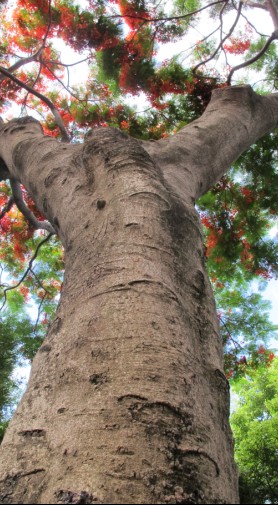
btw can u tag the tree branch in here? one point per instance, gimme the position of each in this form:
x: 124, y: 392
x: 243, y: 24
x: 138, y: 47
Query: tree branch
x: 194, y: 159
x: 255, y: 58
x: 253, y: 26
x: 34, y: 57
x: 249, y: 3
x: 39, y: 282
x: 173, y: 18
x: 20, y: 63
x: 7, y: 207
x: 222, y: 40
x: 47, y: 101
x: 273, y: 12
x: 9, y: 288
x: 27, y: 213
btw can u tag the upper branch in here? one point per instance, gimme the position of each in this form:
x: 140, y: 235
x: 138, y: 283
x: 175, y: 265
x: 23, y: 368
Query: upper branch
x: 273, y: 12
x: 20, y: 63
x: 257, y: 5
x: 47, y: 101
x: 195, y: 158
x: 37, y: 55
x: 222, y: 40
x: 255, y: 58
x: 172, y: 18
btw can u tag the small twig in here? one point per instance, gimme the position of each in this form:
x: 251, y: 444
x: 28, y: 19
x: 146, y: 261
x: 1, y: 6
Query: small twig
x: 39, y: 282
x: 253, y: 26
x: 236, y: 344
x: 49, y: 23
x: 221, y: 22
x: 9, y: 288
x: 32, y: 85
x: 200, y: 42
x: 39, y: 314
x: 67, y: 88
x: 59, y: 63
x: 222, y: 41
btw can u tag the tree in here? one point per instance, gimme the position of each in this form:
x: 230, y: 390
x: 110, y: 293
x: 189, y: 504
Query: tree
x: 255, y: 427
x: 128, y: 401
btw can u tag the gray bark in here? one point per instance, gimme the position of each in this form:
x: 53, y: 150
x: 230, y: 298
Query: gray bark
x: 195, y: 158
x: 127, y: 401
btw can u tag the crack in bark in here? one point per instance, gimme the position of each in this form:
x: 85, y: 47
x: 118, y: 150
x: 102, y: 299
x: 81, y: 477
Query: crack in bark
x: 201, y: 452
x: 130, y: 395
x: 148, y: 193
x: 32, y: 433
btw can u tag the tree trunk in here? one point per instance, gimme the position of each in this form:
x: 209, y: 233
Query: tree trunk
x: 127, y: 400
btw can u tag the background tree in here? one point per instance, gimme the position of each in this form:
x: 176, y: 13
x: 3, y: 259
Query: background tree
x: 119, y: 41
x: 255, y: 428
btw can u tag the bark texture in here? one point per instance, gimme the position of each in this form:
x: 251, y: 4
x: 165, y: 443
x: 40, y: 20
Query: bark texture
x: 127, y: 401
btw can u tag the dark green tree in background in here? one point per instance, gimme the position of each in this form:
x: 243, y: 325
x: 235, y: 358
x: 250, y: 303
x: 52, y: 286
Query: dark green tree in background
x: 255, y: 426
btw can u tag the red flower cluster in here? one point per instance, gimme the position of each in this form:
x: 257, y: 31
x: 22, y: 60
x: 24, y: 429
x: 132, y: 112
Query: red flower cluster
x: 237, y: 45
x: 133, y: 12
x: 249, y: 198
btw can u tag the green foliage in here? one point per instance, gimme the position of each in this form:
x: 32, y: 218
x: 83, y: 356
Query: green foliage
x: 14, y: 330
x: 22, y: 326
x: 245, y: 328
x: 3, y: 427
x: 268, y: 60
x: 186, y: 6
x: 238, y: 213
x: 255, y: 427
x: 108, y: 63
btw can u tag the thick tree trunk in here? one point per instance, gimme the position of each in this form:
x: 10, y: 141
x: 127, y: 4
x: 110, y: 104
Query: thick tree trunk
x: 127, y: 401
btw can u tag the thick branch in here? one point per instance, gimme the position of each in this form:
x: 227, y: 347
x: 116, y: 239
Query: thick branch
x: 257, y: 5
x: 195, y: 158
x: 273, y: 12
x: 27, y: 213
x: 20, y: 63
x: 36, y: 161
